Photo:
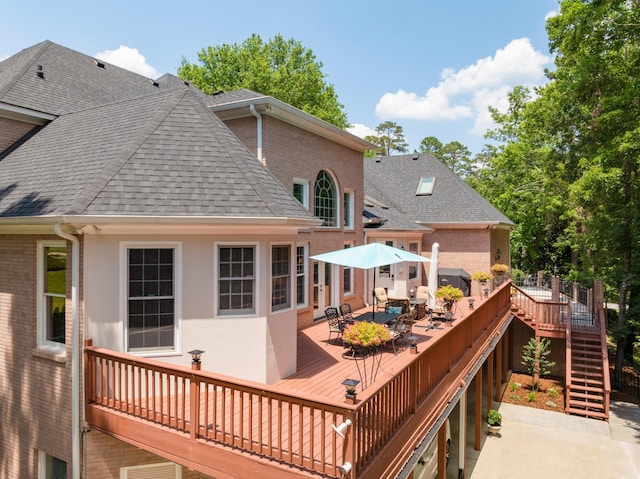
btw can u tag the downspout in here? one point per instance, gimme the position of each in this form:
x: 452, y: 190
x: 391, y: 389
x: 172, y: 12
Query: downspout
x: 75, y: 354
x: 255, y: 113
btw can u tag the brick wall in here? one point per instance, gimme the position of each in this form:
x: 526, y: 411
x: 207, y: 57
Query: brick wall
x: 35, y: 388
x: 290, y: 152
x: 11, y: 131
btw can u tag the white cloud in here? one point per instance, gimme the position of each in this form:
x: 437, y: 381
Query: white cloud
x: 130, y: 59
x: 468, y: 92
x: 361, y: 130
x: 551, y: 13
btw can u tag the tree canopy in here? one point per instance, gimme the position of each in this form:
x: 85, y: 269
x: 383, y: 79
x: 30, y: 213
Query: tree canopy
x: 280, y: 68
x: 389, y: 137
x: 567, y: 171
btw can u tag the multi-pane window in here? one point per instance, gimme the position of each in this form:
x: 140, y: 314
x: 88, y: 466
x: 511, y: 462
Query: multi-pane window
x: 348, y: 210
x: 52, y: 286
x: 50, y: 467
x: 413, y: 267
x: 301, y: 192
x: 151, y: 299
x: 301, y: 275
x: 236, y: 279
x: 348, y: 276
x: 325, y: 206
x: 280, y: 277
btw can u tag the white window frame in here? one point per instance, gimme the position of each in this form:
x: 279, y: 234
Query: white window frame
x: 291, y: 288
x: 304, y: 274
x: 216, y: 278
x: 425, y: 186
x: 41, y: 308
x: 349, y: 215
x: 337, y: 199
x: 162, y: 470
x: 415, y: 250
x: 305, y: 191
x: 42, y: 464
x: 348, y: 269
x: 177, y: 294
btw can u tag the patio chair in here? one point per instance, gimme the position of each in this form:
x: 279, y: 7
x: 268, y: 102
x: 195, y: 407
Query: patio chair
x: 336, y: 325
x: 422, y: 292
x: 401, y: 306
x: 398, y: 331
x: 347, y: 313
x: 381, y: 298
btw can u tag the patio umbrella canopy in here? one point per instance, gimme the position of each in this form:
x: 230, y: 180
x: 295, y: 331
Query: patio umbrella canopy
x: 369, y: 256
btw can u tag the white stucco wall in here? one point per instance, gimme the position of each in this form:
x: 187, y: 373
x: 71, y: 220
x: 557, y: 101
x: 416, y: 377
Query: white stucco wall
x: 260, y: 347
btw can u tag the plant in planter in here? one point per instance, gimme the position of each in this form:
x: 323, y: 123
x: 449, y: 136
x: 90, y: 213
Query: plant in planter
x: 499, y: 271
x: 494, y: 421
x: 449, y: 296
x: 482, y: 279
x: 366, y: 340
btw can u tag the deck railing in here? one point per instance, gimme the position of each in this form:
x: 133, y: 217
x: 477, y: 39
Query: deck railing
x: 548, y: 315
x: 289, y: 427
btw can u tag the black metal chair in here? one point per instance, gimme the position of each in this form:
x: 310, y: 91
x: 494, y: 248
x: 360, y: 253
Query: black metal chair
x: 399, y: 330
x: 347, y: 313
x: 336, y: 325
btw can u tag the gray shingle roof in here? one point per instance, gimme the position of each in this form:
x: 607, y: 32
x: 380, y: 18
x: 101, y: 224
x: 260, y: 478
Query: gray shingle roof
x: 163, y: 153
x: 233, y: 96
x: 71, y: 80
x: 395, y: 179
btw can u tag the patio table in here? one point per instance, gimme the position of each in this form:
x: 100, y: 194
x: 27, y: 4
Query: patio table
x: 380, y: 317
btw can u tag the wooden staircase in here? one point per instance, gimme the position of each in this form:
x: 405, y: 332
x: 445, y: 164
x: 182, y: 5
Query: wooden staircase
x: 585, y: 377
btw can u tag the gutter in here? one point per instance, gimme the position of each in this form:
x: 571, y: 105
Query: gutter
x: 75, y: 353
x: 255, y: 113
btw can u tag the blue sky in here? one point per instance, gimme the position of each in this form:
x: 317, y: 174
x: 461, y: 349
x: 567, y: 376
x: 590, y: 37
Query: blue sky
x: 430, y: 66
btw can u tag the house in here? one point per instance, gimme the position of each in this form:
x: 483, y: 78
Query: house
x: 155, y: 324
x: 131, y: 214
x: 414, y: 201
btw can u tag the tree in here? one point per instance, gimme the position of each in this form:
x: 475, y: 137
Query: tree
x: 280, y: 68
x: 389, y: 138
x: 534, y: 357
x: 568, y: 171
x: 430, y: 144
x: 454, y: 154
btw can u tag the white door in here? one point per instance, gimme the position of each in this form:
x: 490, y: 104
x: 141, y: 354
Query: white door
x: 322, y: 287
x: 385, y: 275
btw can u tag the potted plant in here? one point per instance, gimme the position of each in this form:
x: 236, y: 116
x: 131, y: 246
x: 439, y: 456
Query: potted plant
x: 449, y: 296
x: 494, y: 421
x: 366, y: 339
x: 499, y: 270
x: 482, y: 279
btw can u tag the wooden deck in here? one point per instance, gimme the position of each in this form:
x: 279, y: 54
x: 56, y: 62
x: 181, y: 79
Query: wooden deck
x: 217, y: 424
x: 324, y: 364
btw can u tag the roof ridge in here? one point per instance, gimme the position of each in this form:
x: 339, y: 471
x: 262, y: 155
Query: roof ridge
x: 38, y: 50
x: 92, y: 189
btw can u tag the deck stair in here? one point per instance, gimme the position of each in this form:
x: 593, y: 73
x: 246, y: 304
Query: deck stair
x: 585, y: 377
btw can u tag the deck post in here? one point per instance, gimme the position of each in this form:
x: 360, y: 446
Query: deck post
x: 478, y: 436
x: 490, y: 381
x: 194, y: 406
x: 498, y: 370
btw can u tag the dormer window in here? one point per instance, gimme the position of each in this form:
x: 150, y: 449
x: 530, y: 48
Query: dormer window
x: 425, y: 187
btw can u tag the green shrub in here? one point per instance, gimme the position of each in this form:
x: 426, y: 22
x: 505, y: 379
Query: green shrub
x: 494, y: 418
x: 531, y: 396
x: 515, y: 386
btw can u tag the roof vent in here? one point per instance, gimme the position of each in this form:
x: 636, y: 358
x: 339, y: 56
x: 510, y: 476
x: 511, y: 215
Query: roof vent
x: 219, y: 92
x: 416, y: 157
x: 154, y: 83
x: 185, y: 82
x: 40, y: 73
x: 99, y: 64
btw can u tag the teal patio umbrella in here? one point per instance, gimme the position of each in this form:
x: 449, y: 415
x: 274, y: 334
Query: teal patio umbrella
x: 369, y: 256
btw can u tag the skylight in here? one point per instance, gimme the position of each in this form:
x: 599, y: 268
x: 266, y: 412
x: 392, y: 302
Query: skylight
x: 425, y: 187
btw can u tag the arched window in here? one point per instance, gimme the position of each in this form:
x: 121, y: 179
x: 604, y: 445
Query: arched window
x: 325, y: 205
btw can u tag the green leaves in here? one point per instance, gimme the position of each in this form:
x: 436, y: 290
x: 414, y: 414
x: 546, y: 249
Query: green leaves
x: 280, y: 68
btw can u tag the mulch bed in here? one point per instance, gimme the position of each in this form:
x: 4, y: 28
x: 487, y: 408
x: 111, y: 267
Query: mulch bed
x: 550, y: 394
